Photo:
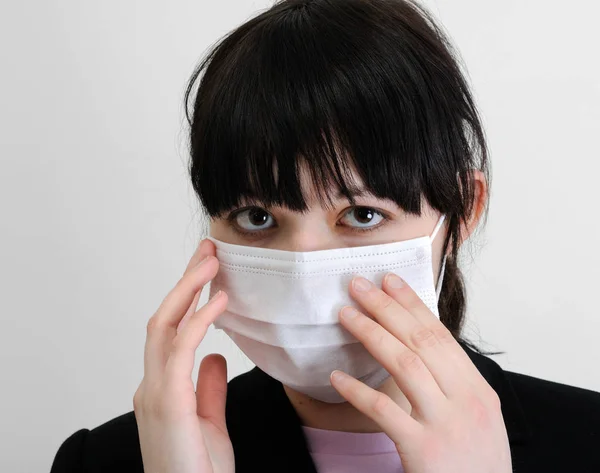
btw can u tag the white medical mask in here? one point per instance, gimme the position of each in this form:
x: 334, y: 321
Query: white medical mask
x: 283, y: 307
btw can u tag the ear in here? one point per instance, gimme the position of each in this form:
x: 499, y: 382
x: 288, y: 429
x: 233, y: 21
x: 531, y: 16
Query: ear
x: 480, y: 200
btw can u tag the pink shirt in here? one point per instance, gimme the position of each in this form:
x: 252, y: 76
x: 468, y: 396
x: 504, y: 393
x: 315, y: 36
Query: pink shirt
x: 350, y: 452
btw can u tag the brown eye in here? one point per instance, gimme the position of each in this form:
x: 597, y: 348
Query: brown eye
x: 362, y: 217
x: 253, y: 219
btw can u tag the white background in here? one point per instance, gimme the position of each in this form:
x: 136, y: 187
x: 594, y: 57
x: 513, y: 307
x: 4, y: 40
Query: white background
x: 98, y: 220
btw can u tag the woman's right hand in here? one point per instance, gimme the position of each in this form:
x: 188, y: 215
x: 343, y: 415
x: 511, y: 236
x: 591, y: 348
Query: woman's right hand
x: 180, y: 430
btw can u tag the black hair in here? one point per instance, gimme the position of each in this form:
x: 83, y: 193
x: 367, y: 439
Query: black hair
x: 333, y: 84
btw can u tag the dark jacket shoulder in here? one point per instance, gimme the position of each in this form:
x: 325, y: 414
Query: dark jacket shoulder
x: 111, y: 447
x: 568, y: 402
x: 551, y: 427
x: 558, y: 414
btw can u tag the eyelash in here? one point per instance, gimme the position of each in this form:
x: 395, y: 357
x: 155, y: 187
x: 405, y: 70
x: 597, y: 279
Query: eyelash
x: 231, y: 220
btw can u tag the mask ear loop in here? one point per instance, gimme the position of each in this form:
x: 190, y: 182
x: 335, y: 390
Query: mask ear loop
x: 438, y: 288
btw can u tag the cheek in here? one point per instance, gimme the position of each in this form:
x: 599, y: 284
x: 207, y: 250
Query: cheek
x: 217, y: 229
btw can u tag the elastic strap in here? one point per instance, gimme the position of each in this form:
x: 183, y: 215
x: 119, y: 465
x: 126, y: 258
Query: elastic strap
x: 438, y: 288
x: 437, y: 227
x: 440, y: 280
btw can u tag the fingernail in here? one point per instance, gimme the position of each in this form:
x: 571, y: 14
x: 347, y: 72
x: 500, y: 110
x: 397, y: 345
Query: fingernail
x: 202, y: 261
x: 215, y: 296
x: 361, y: 284
x: 394, y: 281
x: 338, y: 376
x: 349, y: 312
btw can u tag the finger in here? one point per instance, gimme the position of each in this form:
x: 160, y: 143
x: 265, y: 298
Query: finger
x: 192, y: 309
x: 450, y: 365
x: 152, y: 356
x: 408, y: 370
x: 162, y: 326
x: 403, y: 325
x: 177, y: 302
x: 206, y: 248
x: 211, y: 390
x: 399, y: 321
x: 393, y: 420
x: 389, y: 313
x: 180, y: 364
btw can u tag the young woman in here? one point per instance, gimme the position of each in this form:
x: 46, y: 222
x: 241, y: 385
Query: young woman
x: 337, y: 149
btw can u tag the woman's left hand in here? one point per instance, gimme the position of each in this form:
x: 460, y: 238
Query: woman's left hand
x: 456, y: 423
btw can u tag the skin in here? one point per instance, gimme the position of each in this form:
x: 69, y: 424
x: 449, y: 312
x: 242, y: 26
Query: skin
x: 321, y: 229
x: 437, y: 408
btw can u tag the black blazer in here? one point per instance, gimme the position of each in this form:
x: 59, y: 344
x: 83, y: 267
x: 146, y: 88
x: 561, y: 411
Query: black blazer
x: 551, y: 427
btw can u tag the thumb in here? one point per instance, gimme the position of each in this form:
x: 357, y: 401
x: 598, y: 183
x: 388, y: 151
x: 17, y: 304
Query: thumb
x: 211, y: 390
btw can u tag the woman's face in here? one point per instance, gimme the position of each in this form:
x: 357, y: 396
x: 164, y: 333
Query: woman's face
x: 371, y: 221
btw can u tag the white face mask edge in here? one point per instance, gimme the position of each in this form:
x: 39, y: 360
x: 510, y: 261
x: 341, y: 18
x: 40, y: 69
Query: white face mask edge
x: 438, y: 288
x: 283, y: 312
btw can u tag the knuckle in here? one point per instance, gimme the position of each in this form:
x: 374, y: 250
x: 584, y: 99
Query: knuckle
x: 412, y: 301
x: 443, y: 334
x: 480, y: 410
x: 481, y: 415
x: 151, y: 402
x: 151, y: 325
x: 493, y: 400
x: 409, y: 361
x: 384, y: 301
x: 471, y: 399
x: 423, y: 338
x: 380, y: 404
x: 138, y: 399
x: 373, y: 333
x: 141, y: 399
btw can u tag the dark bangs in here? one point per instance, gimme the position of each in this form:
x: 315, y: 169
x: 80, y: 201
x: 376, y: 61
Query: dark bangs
x: 334, y: 84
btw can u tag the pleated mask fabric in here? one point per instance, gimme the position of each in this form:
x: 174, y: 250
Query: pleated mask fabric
x: 283, y: 306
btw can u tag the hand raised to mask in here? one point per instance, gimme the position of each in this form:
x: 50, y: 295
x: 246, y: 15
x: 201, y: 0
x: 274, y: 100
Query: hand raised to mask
x: 456, y: 423
x: 182, y: 430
